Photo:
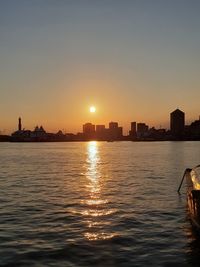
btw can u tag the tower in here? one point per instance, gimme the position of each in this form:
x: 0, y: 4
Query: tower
x: 133, y: 127
x: 177, y: 122
x: 133, y: 131
x: 19, y: 124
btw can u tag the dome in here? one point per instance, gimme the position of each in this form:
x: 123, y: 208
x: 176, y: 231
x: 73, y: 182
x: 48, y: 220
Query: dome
x: 42, y: 129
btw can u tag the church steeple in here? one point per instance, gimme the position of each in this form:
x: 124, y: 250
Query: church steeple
x: 19, y: 125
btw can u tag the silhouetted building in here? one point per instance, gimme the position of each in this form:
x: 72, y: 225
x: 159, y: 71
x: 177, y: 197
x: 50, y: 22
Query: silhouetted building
x: 100, y: 128
x: 20, y: 134
x: 192, y: 132
x: 19, y: 124
x: 101, y: 132
x: 39, y: 132
x: 133, y: 131
x: 133, y: 127
x: 157, y: 134
x: 138, y: 132
x: 113, y: 125
x: 120, y: 132
x: 195, y: 128
x: 142, y: 129
x: 59, y: 133
x: 177, y: 123
x: 115, y: 132
x: 89, y: 130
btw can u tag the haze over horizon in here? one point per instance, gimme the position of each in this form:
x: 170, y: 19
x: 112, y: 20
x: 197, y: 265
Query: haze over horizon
x: 133, y: 60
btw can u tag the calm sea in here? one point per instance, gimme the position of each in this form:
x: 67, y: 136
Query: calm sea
x: 96, y: 204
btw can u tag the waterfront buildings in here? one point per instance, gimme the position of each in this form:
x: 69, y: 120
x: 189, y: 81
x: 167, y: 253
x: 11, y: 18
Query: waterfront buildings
x: 38, y: 135
x: 133, y: 131
x: 100, y: 132
x: 192, y: 131
x: 115, y: 132
x: 142, y: 130
x: 177, y: 123
x: 138, y: 132
x: 89, y: 130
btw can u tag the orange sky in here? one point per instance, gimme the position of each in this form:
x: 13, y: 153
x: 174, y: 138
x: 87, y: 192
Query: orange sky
x: 134, y: 61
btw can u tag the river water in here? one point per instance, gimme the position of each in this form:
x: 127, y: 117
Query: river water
x: 96, y: 204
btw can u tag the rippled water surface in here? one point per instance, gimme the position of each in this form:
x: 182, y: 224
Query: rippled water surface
x: 96, y: 204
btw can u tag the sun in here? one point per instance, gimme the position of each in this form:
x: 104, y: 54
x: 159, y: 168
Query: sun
x: 92, y: 109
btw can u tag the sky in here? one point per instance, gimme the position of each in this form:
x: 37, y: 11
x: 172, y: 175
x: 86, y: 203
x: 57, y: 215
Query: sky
x: 134, y: 60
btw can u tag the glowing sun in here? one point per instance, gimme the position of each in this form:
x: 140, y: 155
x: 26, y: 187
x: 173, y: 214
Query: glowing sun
x: 92, y: 109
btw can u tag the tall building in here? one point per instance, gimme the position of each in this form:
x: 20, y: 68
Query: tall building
x: 114, y: 131
x: 101, y: 132
x: 142, y: 129
x: 89, y: 131
x: 113, y: 125
x: 100, y: 128
x: 133, y: 126
x: 133, y: 131
x: 177, y: 122
x: 88, y: 128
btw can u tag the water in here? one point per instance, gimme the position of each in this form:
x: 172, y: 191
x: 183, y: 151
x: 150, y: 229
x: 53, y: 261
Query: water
x: 96, y: 204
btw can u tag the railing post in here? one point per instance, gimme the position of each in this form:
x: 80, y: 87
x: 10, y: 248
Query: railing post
x: 185, y: 172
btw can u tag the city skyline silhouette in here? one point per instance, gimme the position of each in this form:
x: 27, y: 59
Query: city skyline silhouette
x: 139, y: 131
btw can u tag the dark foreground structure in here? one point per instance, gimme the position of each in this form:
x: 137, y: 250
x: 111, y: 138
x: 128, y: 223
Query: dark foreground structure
x: 193, y: 195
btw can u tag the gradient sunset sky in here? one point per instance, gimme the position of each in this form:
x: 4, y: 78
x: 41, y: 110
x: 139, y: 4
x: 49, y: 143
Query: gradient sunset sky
x: 135, y: 60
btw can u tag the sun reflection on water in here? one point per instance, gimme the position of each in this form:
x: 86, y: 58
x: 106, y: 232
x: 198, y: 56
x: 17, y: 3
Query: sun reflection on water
x: 93, y: 173
x: 96, y: 206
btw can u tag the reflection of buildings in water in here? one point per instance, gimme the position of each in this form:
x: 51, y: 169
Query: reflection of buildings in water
x: 96, y: 209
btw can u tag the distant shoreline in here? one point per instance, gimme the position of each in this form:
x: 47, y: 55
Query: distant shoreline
x: 78, y: 141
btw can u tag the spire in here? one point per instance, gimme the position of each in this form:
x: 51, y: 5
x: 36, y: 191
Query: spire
x: 19, y: 125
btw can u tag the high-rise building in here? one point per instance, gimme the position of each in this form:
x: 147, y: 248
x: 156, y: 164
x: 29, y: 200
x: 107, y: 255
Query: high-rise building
x: 132, y: 132
x: 177, y: 122
x: 88, y: 128
x: 100, y: 128
x: 133, y: 126
x: 101, y: 132
x: 89, y: 131
x: 142, y: 129
x: 113, y: 125
x: 115, y: 132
